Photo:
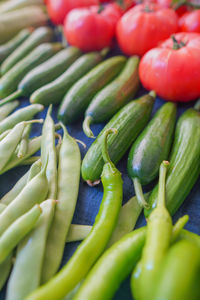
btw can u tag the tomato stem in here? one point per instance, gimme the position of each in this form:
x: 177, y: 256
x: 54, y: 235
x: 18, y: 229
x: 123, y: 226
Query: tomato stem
x: 101, y: 8
x: 177, y: 45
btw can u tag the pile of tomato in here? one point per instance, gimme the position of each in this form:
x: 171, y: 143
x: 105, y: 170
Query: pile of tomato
x: 164, y: 33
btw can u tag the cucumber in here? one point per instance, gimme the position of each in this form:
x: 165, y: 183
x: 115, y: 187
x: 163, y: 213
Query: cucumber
x: 129, y: 122
x: 81, y: 93
x: 7, y: 48
x: 40, y: 35
x: 10, y: 81
x: 16, y: 4
x: 112, y: 97
x: 55, y: 91
x: 151, y: 148
x: 45, y: 72
x: 11, y: 23
x: 184, y: 168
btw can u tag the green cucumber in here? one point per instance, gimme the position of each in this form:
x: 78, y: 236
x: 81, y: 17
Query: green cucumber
x: 10, y: 81
x: 7, y: 48
x: 16, y: 4
x: 151, y: 148
x: 45, y: 72
x: 55, y: 90
x: 129, y: 122
x: 81, y: 93
x: 184, y: 168
x: 112, y: 97
x: 40, y: 35
x: 12, y: 22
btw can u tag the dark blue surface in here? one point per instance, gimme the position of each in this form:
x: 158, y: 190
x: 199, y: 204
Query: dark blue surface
x: 89, y: 198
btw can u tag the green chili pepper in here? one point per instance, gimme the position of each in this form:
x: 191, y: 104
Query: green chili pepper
x: 92, y: 247
x: 34, y: 192
x: 159, y: 232
x: 29, y: 258
x: 177, y: 277
x: 68, y: 187
x: 17, y: 231
x: 48, y: 152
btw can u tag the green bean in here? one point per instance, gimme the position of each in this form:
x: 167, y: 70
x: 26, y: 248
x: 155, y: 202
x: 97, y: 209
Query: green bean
x: 29, y: 161
x: 5, y: 268
x: 2, y: 207
x: 48, y: 152
x: 34, y: 146
x: 6, y: 109
x: 29, y: 258
x: 112, y: 267
x: 78, y: 232
x: 180, y: 270
x: 159, y: 232
x: 23, y: 114
x: 17, y: 231
x: 92, y: 247
x: 14, y: 192
x: 34, y: 192
x: 23, y: 146
x: 68, y: 187
x: 4, y: 134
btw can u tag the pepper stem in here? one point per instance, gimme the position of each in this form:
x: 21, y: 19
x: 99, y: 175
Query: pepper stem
x: 105, y: 153
x: 86, y: 127
x: 161, y: 186
x: 11, y: 97
x: 178, y: 226
x: 139, y: 193
x: 197, y: 105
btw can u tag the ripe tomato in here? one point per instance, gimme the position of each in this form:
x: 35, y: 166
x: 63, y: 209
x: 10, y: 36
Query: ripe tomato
x: 89, y: 29
x: 190, y: 22
x: 144, y: 26
x: 174, y: 74
x: 57, y: 9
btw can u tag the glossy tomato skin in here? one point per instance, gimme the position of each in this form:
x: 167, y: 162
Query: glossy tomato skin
x: 173, y: 74
x: 57, y: 9
x: 138, y: 30
x: 89, y: 30
x: 190, y: 22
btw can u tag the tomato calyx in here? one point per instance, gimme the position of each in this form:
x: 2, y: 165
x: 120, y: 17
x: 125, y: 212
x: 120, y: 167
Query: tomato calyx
x: 185, y: 3
x: 176, y: 44
x: 147, y: 9
x: 101, y: 8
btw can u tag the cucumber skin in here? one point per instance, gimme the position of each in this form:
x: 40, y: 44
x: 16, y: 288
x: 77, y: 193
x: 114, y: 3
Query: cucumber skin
x: 55, y: 91
x: 49, y: 70
x: 7, y: 48
x: 81, y: 93
x: 116, y: 94
x: 184, y: 168
x: 129, y: 122
x: 40, y: 35
x: 153, y: 145
x: 10, y: 81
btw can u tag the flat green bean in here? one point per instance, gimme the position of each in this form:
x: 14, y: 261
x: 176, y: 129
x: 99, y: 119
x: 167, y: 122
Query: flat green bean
x: 23, y: 114
x: 17, y: 231
x: 29, y: 258
x: 78, y: 232
x: 34, y: 192
x: 2, y: 207
x: 68, y: 187
x: 14, y: 192
x: 23, y: 145
x: 6, y: 109
x: 5, y: 268
x: 48, y: 152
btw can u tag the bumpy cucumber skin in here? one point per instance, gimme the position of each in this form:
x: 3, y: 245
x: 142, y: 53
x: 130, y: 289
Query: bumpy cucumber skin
x: 49, y: 70
x: 116, y: 94
x: 153, y: 145
x: 184, y: 160
x: 7, y: 48
x: 40, y: 35
x: 55, y: 91
x: 9, y: 82
x: 129, y: 122
x: 81, y: 93
x: 11, y: 23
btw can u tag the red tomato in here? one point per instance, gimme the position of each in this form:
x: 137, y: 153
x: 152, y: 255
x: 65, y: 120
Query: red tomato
x: 57, y: 9
x: 143, y: 27
x: 90, y: 30
x: 173, y: 74
x: 190, y: 22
